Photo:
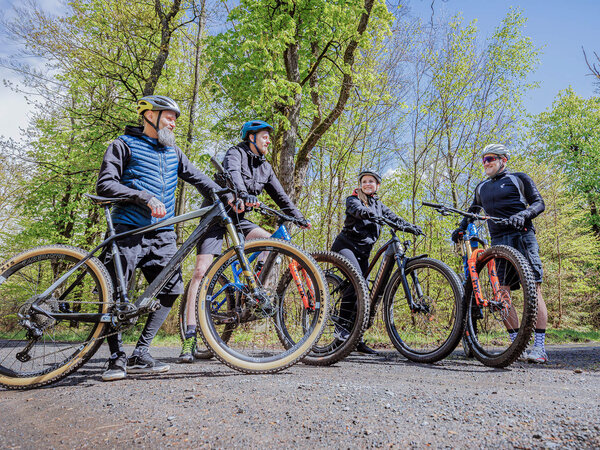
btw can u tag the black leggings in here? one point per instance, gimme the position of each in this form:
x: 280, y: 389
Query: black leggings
x: 360, y: 260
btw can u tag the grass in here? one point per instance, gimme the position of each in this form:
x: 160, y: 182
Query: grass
x: 571, y: 336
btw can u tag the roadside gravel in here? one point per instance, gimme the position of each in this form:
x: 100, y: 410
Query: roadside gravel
x: 383, y: 401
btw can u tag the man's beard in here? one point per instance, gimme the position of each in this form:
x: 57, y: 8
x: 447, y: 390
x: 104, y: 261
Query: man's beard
x: 166, y: 137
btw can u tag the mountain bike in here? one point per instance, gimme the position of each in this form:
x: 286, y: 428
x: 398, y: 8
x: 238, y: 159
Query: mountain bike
x: 339, y: 274
x: 423, y: 301
x: 57, y: 303
x: 500, y: 295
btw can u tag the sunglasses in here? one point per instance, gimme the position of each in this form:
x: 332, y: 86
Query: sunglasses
x: 489, y: 159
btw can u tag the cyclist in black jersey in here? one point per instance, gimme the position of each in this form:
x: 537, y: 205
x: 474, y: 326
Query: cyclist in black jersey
x: 361, y: 231
x: 512, y: 195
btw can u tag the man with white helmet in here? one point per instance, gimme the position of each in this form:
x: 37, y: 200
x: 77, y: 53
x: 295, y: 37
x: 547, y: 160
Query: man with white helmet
x: 513, y: 196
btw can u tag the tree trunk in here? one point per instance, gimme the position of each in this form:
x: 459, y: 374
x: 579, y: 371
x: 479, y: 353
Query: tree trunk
x: 166, y: 31
x: 319, y: 129
x: 180, y: 201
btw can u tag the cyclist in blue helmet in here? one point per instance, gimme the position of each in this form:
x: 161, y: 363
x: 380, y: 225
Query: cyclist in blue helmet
x: 251, y: 174
x: 355, y: 241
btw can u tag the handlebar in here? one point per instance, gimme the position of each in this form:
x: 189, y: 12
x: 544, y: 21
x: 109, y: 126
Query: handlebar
x: 264, y: 209
x: 383, y: 221
x: 446, y: 210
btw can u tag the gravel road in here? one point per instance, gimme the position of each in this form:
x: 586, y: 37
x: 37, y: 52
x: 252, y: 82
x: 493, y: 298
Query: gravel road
x: 382, y: 401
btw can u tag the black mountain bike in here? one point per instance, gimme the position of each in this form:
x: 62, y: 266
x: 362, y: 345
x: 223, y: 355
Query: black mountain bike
x: 57, y: 303
x: 423, y: 306
x: 423, y: 301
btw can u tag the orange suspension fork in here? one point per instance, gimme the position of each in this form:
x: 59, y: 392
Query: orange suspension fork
x: 472, y: 263
x: 308, y: 302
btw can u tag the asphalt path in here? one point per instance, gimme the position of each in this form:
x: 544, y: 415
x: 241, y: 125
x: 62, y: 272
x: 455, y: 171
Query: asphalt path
x: 363, y: 402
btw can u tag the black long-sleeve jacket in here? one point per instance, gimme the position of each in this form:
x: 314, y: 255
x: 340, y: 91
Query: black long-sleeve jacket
x: 252, y: 174
x: 359, y: 226
x: 504, y: 195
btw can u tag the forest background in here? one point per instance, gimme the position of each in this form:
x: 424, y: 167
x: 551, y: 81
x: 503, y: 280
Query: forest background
x: 348, y: 84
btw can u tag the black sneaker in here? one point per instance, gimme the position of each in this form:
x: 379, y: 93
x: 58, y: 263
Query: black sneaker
x: 363, y: 348
x: 116, y: 368
x: 145, y: 364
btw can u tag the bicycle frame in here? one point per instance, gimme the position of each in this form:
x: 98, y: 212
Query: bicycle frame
x: 146, y: 302
x: 393, y: 251
x: 472, y: 255
x: 308, y: 299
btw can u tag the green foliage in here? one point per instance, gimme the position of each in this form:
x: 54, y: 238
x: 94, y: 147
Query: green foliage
x: 568, y: 136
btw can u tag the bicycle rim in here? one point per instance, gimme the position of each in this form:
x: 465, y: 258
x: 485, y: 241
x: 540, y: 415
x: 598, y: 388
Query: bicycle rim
x: 432, y: 332
x: 513, y: 308
x: 63, y: 346
x: 255, y: 345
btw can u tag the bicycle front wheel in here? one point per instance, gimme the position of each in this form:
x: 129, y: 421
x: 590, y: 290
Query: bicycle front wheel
x: 254, y: 345
x: 36, y: 349
x: 511, y: 307
x: 348, y: 310
x: 432, y: 329
x: 226, y: 303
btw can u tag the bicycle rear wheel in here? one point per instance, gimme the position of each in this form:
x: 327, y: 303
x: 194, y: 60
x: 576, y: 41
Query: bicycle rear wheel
x: 254, y: 345
x: 226, y: 303
x: 347, y: 320
x: 60, y: 347
x: 514, y: 306
x: 432, y: 332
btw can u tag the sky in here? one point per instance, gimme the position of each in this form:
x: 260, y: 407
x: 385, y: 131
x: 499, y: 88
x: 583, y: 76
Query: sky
x: 561, y: 28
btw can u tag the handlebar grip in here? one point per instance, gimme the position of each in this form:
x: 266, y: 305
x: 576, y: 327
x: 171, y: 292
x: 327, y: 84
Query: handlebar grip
x: 431, y: 205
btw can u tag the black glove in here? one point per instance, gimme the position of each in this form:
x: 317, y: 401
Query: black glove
x: 304, y: 223
x: 517, y: 220
x: 416, y: 230
x: 249, y: 198
x: 456, y: 234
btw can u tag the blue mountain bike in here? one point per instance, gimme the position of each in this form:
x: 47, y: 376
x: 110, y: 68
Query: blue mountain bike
x: 340, y: 275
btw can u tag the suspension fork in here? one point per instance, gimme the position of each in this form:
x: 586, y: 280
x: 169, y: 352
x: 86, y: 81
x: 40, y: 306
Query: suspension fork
x: 307, y: 299
x: 472, y: 266
x: 401, y: 261
x: 239, y: 251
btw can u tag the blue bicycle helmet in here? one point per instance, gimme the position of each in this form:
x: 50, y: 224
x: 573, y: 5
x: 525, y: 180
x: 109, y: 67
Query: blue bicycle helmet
x: 254, y: 126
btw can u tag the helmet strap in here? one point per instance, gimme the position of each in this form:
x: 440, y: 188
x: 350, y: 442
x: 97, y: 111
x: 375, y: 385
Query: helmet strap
x: 155, y: 126
x: 252, y: 140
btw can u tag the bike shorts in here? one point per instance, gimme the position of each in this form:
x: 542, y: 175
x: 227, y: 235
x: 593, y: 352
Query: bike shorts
x: 212, y: 242
x: 526, y: 243
x: 151, y: 252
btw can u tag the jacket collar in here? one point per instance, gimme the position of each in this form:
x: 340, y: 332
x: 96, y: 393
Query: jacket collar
x: 373, y: 196
x: 500, y: 174
x: 246, y: 147
x: 138, y: 132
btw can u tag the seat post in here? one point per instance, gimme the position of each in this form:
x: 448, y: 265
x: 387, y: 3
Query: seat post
x: 109, y: 223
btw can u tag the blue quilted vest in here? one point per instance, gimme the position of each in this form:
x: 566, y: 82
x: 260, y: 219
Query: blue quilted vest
x: 152, y: 169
